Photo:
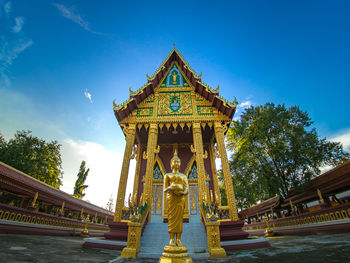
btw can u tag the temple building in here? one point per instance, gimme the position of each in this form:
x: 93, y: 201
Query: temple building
x: 176, y: 110
x: 322, y: 208
x: 29, y: 206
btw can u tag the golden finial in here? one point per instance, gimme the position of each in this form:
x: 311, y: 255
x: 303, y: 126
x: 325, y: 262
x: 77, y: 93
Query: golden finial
x: 174, y: 44
x: 200, y: 75
x: 131, y: 93
x: 235, y: 102
x: 148, y: 77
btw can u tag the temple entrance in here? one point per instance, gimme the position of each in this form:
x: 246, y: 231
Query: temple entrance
x: 192, y: 176
x: 157, y: 188
x: 193, y: 199
x: 157, y: 194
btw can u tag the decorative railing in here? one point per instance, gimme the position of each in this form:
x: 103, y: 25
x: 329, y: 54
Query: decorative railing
x: 137, y: 221
x: 224, y: 213
x: 325, y: 215
x: 12, y: 213
x: 210, y: 218
x: 125, y: 213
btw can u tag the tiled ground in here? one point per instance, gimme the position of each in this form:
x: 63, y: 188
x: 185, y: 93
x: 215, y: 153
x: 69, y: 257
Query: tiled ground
x: 308, y: 249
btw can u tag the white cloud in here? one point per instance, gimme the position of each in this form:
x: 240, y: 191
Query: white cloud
x: 11, y: 45
x: 19, y: 24
x: 344, y: 138
x: 75, y: 17
x: 10, y: 52
x: 88, y: 95
x: 245, y: 104
x: 7, y: 7
x: 240, y: 107
x: 105, y: 167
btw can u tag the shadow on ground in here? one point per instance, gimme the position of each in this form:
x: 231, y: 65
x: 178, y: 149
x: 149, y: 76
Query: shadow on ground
x: 318, y: 249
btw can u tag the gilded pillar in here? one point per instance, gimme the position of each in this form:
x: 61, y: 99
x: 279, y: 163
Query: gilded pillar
x: 214, y: 174
x: 137, y: 171
x: 130, y: 138
x: 231, y: 200
x: 198, y: 148
x: 151, y: 150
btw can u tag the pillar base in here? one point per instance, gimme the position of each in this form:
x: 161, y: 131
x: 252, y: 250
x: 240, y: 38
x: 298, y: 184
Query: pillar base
x: 217, y: 253
x: 175, y: 254
x: 129, y: 253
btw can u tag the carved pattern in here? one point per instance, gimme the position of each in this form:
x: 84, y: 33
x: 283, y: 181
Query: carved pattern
x: 215, y: 176
x: 130, y: 138
x: 157, y: 173
x: 193, y: 174
x: 198, y: 145
x: 164, y: 101
x: 205, y: 110
x: 144, y: 112
x: 151, y: 146
x: 231, y: 200
x: 149, y: 99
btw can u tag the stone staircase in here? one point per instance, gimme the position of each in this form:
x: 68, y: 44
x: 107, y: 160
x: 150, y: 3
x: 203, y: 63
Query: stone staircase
x: 156, y: 236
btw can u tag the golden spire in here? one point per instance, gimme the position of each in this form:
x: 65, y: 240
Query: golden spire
x: 174, y: 44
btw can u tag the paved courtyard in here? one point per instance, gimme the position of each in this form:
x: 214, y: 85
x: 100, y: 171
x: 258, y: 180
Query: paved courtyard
x: 28, y: 248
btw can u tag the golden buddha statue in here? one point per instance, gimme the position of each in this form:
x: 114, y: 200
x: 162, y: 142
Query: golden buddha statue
x: 175, y: 187
x: 174, y: 77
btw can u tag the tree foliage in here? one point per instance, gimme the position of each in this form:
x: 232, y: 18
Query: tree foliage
x: 274, y: 150
x: 80, y: 182
x: 33, y: 156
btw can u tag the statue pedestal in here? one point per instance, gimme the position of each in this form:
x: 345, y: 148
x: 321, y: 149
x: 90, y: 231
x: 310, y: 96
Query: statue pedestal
x: 174, y: 254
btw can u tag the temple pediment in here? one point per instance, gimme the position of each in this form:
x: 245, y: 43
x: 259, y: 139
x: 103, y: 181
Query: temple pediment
x: 174, y: 90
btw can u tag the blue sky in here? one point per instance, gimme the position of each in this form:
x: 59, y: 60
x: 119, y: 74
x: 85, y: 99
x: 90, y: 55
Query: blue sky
x: 63, y: 62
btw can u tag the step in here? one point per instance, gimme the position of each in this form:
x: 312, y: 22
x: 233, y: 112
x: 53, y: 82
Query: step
x: 156, y: 236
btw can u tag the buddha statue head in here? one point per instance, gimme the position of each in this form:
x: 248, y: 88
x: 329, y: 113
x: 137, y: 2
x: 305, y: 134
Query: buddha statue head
x: 175, y: 162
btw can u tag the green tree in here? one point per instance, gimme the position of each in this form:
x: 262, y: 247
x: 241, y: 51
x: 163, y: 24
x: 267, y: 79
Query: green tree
x: 274, y: 150
x: 33, y: 156
x: 80, y: 182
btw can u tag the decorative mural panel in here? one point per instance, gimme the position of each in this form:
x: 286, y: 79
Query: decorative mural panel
x: 205, y: 110
x: 193, y: 199
x: 157, y: 204
x: 149, y: 99
x: 175, y: 103
x: 174, y: 79
x: 157, y: 173
x: 199, y: 97
x: 144, y: 112
x: 193, y: 173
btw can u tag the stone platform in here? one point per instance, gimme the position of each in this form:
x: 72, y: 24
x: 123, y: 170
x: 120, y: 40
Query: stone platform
x: 67, y: 249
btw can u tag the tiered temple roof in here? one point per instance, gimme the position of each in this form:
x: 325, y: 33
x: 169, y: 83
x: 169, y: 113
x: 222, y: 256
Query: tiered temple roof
x: 123, y: 110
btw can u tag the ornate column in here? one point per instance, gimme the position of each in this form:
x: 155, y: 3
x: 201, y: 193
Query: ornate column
x: 130, y: 138
x: 151, y: 150
x: 137, y: 171
x: 198, y: 150
x: 231, y: 200
x: 215, y: 175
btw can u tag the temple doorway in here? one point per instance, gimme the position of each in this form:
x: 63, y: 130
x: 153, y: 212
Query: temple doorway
x: 157, y: 188
x: 157, y: 194
x: 193, y: 199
